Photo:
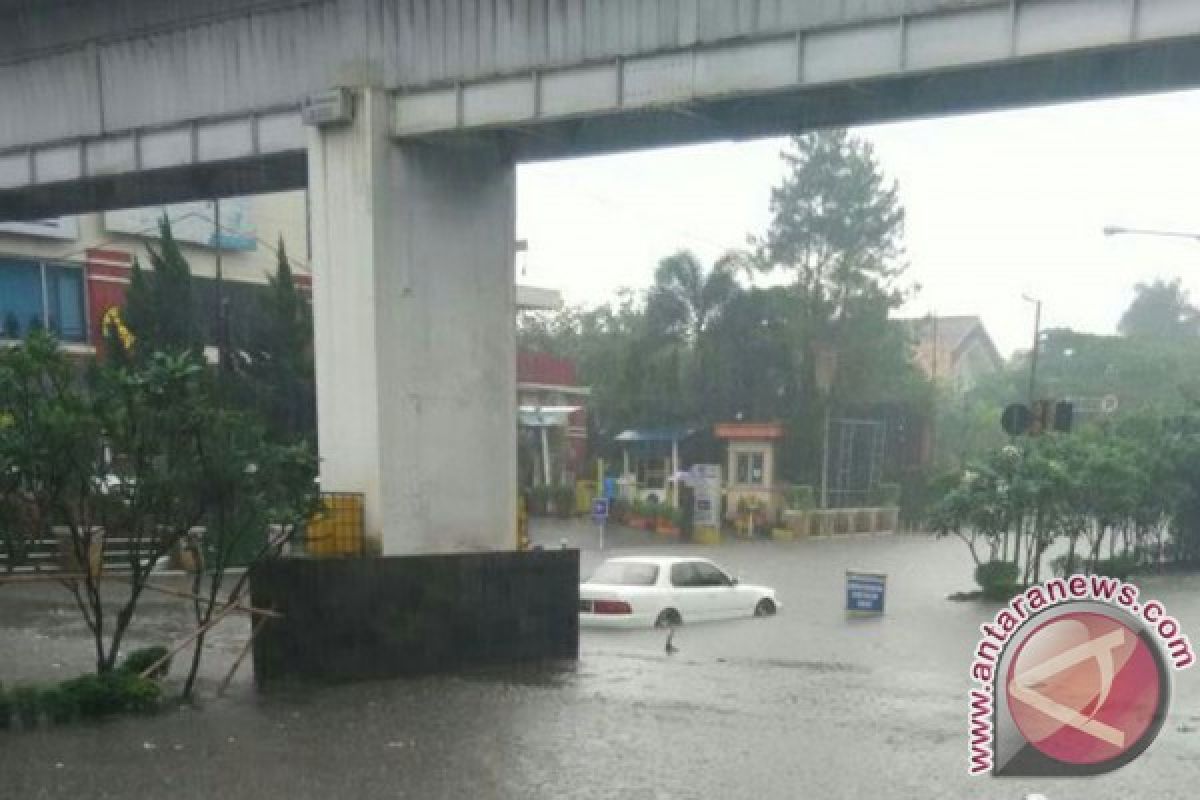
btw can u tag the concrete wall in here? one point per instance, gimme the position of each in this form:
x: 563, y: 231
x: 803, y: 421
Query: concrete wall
x: 359, y: 619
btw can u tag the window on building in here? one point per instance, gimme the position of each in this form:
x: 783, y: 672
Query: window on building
x: 36, y: 295
x: 750, y: 469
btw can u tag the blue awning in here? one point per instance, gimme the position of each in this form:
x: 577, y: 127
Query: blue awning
x: 667, y: 435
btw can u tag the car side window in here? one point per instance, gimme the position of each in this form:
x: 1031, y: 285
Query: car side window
x: 708, y: 575
x: 684, y: 575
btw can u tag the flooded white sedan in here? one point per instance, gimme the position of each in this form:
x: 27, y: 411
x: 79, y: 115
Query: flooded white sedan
x: 639, y: 591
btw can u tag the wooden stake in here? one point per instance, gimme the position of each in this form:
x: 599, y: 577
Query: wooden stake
x: 258, y: 625
x: 220, y: 615
x: 251, y: 610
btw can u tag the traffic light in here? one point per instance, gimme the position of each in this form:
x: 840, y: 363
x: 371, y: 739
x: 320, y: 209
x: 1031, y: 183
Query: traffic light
x: 1043, y: 416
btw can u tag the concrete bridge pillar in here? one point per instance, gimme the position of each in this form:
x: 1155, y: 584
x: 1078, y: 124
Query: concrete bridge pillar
x: 413, y: 300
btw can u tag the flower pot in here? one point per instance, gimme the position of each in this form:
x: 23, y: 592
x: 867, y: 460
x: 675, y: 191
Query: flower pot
x: 666, y: 528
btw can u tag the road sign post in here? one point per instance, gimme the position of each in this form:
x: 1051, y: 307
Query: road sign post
x: 600, y: 516
x: 865, y: 592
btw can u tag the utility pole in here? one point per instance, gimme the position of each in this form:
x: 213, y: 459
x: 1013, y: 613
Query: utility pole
x: 222, y: 306
x: 1033, y: 355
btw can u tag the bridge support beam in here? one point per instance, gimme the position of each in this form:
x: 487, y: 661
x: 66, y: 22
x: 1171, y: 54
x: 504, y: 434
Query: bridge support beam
x: 415, y: 344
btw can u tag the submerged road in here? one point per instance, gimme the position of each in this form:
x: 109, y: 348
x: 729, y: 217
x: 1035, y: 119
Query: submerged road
x: 806, y: 704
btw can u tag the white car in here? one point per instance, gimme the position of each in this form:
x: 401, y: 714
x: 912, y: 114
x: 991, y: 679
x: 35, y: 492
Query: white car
x: 642, y: 591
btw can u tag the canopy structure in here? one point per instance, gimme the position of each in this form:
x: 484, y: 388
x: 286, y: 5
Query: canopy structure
x: 655, y: 442
x: 545, y: 416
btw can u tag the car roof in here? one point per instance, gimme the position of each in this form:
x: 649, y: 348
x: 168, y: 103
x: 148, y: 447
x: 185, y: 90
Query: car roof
x: 661, y: 561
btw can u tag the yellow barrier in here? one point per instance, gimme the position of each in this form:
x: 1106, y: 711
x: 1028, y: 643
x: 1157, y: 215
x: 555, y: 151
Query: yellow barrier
x: 336, y: 530
x: 585, y: 493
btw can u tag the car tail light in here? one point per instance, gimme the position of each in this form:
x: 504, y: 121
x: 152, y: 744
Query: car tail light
x: 611, y: 607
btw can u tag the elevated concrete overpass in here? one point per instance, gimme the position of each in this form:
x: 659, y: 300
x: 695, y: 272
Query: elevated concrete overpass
x: 107, y: 103
x: 113, y: 103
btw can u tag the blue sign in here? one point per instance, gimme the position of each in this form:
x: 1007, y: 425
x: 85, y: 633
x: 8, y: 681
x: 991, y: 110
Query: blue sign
x: 865, y: 591
x: 600, y: 509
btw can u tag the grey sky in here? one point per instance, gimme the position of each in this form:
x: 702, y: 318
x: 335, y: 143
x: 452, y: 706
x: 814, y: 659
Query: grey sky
x: 998, y: 205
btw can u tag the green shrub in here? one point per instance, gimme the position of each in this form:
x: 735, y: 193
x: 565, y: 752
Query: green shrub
x: 997, y: 579
x: 5, y: 709
x: 26, y: 705
x: 538, y: 497
x: 618, y: 508
x: 1119, y: 567
x: 564, y: 501
x: 139, y: 661
x: 1062, y: 569
x: 59, y: 705
x: 801, y: 498
x: 111, y: 693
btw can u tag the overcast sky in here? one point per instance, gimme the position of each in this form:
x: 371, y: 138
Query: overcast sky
x: 998, y: 204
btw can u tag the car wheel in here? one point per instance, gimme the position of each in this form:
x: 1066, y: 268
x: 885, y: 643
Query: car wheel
x: 669, y: 618
x: 765, y: 608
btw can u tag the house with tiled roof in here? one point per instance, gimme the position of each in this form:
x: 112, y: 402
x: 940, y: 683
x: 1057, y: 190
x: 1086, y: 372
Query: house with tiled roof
x: 954, y: 351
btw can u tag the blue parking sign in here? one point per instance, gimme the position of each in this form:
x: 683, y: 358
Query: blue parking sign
x: 600, y: 509
x: 865, y: 591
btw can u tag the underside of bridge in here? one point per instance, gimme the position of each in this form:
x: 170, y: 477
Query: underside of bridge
x: 413, y: 183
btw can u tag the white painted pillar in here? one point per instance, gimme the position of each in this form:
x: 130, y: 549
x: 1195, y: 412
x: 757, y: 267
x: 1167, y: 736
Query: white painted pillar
x: 545, y: 457
x: 415, y: 341
x: 674, y: 472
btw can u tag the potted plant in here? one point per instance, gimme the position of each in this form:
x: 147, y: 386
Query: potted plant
x: 667, y: 521
x: 636, y: 511
x: 538, y: 495
x: 618, y: 510
x: 564, y: 501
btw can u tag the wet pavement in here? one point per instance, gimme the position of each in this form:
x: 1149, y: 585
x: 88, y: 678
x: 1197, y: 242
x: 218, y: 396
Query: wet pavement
x: 805, y: 704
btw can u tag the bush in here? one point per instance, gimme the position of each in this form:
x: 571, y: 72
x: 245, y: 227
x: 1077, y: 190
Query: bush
x: 801, y: 498
x: 564, y: 501
x: 26, y: 705
x: 538, y: 498
x: 111, y: 693
x: 1119, y: 567
x: 139, y: 661
x: 997, y: 579
x: 59, y: 705
x: 5, y: 709
x: 1062, y: 569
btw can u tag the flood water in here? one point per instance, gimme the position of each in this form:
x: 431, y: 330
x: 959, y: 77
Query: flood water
x: 806, y: 704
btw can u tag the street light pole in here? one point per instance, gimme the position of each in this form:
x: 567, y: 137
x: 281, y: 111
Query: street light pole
x: 1037, y: 339
x: 1119, y: 230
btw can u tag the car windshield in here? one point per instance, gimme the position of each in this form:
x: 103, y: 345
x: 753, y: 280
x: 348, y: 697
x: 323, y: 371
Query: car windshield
x: 625, y: 573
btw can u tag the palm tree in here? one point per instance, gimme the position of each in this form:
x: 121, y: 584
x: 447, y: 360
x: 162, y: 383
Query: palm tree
x: 686, y: 298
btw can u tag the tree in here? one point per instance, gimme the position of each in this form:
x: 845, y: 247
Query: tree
x: 258, y: 493
x: 159, y: 307
x: 685, y: 298
x: 280, y: 360
x: 837, y: 228
x: 1160, y: 310
x: 112, y: 456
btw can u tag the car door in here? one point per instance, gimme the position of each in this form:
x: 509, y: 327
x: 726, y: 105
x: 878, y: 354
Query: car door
x: 688, y: 593
x: 721, y: 597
